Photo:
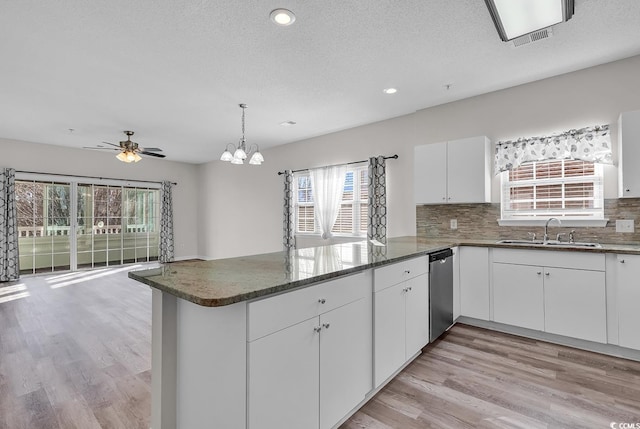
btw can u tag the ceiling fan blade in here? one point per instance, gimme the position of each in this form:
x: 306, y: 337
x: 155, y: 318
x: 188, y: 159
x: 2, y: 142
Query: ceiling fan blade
x: 116, y: 145
x: 100, y: 148
x: 151, y: 149
x: 157, y: 155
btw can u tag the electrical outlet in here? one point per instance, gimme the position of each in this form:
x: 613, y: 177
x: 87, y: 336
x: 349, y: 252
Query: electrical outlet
x: 454, y: 223
x: 624, y: 225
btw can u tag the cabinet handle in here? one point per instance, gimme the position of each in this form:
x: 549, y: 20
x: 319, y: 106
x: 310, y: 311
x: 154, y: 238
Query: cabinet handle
x: 547, y: 274
x: 622, y: 261
x: 443, y: 198
x: 539, y: 272
x: 317, y: 329
x: 326, y: 325
x: 407, y: 271
x: 410, y: 288
x: 627, y: 190
x: 322, y: 300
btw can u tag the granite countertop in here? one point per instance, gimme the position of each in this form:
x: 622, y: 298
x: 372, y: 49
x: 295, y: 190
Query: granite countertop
x: 226, y: 281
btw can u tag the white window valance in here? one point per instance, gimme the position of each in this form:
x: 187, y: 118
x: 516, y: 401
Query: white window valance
x: 587, y: 144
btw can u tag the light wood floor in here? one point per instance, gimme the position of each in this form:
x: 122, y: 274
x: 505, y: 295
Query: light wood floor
x: 75, y: 353
x: 476, y: 378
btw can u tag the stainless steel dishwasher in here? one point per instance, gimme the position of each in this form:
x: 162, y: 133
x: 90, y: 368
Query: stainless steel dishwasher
x: 440, y: 292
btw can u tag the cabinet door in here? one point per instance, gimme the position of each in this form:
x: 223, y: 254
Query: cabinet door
x: 283, y: 378
x: 468, y: 172
x: 417, y: 314
x: 345, y: 356
x: 628, y: 273
x: 518, y: 295
x: 629, y: 153
x: 389, y: 332
x: 575, y: 303
x: 474, y: 282
x: 430, y: 173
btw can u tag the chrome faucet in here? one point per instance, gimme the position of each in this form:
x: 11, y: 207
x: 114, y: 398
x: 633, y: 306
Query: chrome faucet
x: 545, y: 239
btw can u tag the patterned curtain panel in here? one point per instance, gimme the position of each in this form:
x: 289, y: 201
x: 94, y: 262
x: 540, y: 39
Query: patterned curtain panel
x: 586, y: 144
x: 377, y: 211
x: 288, y: 234
x: 9, y: 261
x: 166, y: 224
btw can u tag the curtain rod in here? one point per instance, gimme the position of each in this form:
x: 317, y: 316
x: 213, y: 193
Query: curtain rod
x: 348, y: 163
x: 91, y: 177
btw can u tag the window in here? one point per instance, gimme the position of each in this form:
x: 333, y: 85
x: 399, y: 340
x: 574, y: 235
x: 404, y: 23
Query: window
x: 571, y: 189
x: 352, y: 217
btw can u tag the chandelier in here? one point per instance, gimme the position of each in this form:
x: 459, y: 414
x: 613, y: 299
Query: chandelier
x: 241, y: 153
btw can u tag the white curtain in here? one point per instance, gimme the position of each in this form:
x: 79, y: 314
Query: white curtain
x: 327, y: 184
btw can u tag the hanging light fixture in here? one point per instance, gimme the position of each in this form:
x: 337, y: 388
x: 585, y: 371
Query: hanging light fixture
x: 241, y: 153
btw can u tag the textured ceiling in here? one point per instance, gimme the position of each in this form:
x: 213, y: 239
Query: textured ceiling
x: 174, y: 71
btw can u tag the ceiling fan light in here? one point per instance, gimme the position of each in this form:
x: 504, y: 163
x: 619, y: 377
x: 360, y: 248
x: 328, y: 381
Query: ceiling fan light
x: 122, y: 157
x: 226, y: 156
x: 136, y: 157
x: 131, y: 156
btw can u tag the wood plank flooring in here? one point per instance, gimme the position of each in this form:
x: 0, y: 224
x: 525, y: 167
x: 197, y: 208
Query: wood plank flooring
x: 75, y: 353
x: 476, y: 378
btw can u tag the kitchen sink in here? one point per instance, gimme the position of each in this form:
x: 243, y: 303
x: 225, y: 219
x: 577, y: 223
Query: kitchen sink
x: 550, y: 243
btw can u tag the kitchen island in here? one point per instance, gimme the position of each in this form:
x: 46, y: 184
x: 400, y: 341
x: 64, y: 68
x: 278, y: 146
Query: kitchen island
x: 203, y: 328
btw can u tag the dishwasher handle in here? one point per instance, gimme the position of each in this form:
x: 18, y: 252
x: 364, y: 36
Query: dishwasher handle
x: 440, y: 256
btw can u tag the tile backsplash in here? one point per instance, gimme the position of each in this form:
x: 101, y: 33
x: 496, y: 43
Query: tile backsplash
x: 479, y: 221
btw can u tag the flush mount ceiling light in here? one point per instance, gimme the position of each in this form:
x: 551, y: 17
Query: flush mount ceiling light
x: 241, y: 153
x: 282, y: 17
x: 515, y: 18
x: 389, y: 90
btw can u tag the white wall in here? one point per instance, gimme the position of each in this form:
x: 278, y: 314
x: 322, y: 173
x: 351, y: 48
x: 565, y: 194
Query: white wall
x: 62, y: 160
x: 243, y: 212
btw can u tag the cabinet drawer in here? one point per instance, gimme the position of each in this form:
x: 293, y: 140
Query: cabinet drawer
x: 549, y: 258
x: 393, y: 274
x: 271, y: 314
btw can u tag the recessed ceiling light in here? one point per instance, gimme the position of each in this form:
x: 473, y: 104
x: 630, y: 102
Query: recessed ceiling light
x: 389, y: 90
x: 287, y: 123
x: 282, y: 17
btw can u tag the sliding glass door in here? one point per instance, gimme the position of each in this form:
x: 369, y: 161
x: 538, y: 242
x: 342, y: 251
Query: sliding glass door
x: 113, y: 224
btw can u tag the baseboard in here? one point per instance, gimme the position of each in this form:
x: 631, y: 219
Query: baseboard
x: 187, y: 258
x: 607, y: 349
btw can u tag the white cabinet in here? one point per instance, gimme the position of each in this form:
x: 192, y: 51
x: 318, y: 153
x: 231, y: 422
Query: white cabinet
x: 310, y: 373
x: 401, y: 315
x: 628, y: 154
x: 627, y: 274
x: 575, y: 303
x: 457, y: 171
x: 474, y: 282
x: 561, y: 293
x: 518, y: 295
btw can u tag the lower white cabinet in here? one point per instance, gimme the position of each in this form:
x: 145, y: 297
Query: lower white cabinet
x: 474, y: 282
x: 401, y: 324
x: 312, y: 373
x: 561, y: 293
x: 518, y: 297
x: 628, y: 275
x: 575, y: 303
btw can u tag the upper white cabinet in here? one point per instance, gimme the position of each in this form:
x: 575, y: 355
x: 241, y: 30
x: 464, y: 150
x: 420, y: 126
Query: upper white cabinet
x: 457, y: 171
x: 627, y: 274
x: 629, y: 154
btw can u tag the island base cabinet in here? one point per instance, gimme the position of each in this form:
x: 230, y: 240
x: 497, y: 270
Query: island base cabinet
x: 575, y: 303
x: 310, y: 375
x: 345, y: 360
x: 283, y: 378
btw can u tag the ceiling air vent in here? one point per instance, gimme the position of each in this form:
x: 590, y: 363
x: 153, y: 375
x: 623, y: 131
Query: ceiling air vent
x: 545, y: 33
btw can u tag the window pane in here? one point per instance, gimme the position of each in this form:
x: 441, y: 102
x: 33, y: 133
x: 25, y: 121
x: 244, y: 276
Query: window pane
x: 364, y: 217
x: 344, y: 222
x: 364, y: 184
x: 547, y: 170
x: 347, y: 194
x: 306, y: 219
